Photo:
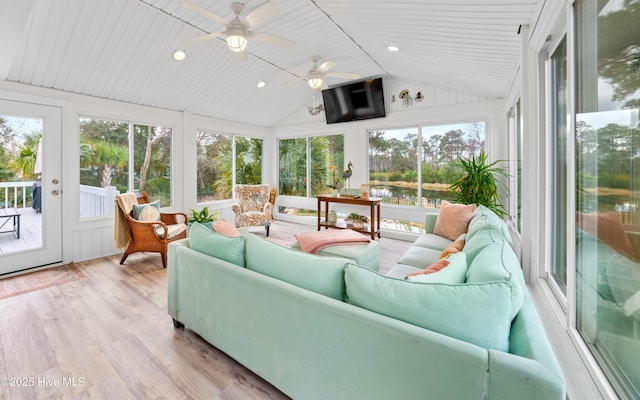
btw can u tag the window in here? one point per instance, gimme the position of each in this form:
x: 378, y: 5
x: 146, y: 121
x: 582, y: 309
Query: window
x: 106, y: 151
x: 607, y: 145
x: 394, y: 156
x: 558, y: 127
x: 318, y: 160
x: 214, y: 176
x: 215, y: 171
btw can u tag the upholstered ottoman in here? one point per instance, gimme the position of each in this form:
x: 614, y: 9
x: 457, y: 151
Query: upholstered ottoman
x: 366, y: 255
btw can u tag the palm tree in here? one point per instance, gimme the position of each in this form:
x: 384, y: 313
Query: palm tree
x: 26, y: 160
x: 110, y: 157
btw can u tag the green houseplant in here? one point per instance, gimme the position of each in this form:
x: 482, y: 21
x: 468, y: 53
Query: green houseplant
x: 479, y: 183
x: 203, y: 217
x: 357, y: 220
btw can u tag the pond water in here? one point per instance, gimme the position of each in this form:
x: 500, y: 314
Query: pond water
x: 409, y: 196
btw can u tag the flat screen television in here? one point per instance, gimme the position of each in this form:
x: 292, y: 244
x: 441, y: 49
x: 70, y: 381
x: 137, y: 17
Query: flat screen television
x: 354, y: 101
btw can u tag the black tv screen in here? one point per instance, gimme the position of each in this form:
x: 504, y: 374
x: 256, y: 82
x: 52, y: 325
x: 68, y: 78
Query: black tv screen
x: 354, y: 101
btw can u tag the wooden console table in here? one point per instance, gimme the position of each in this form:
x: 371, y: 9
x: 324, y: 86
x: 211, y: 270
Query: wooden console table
x: 372, y: 203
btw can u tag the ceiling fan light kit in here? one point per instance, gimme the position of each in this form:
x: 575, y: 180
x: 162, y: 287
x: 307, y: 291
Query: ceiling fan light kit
x: 315, y: 81
x: 236, y: 40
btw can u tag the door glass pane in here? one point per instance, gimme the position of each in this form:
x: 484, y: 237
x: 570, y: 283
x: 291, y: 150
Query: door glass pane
x: 248, y: 160
x: 558, y: 112
x: 292, y: 177
x: 152, y: 162
x: 104, y: 160
x: 20, y: 183
x: 607, y: 141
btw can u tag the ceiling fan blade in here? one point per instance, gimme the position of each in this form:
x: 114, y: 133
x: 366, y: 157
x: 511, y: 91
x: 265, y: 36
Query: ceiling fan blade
x: 325, y: 66
x: 273, y: 39
x: 343, y: 75
x: 261, y: 13
x: 203, y: 12
x: 200, y: 39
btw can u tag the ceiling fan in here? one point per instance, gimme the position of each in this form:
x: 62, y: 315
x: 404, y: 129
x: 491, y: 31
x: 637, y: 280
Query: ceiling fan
x: 317, y: 73
x: 238, y: 31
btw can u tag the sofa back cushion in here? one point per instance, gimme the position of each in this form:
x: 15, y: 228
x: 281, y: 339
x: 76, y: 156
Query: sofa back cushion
x: 226, y: 248
x: 319, y: 274
x: 476, y: 313
x: 498, y: 263
x: 485, y: 218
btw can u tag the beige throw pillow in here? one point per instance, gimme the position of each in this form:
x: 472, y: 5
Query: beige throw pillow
x: 453, y: 219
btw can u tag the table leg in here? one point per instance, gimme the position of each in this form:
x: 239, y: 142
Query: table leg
x: 319, y: 204
x: 378, y: 220
x: 18, y: 230
x: 372, y: 224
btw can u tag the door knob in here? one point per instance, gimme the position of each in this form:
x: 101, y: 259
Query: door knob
x: 55, y: 181
x: 55, y: 192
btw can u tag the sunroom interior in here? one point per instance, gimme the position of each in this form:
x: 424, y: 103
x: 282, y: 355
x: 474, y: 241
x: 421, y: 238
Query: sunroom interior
x: 548, y: 89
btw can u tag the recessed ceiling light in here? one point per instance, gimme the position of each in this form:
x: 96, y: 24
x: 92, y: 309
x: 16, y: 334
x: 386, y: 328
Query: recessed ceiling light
x: 261, y: 84
x: 179, y: 55
x: 393, y: 48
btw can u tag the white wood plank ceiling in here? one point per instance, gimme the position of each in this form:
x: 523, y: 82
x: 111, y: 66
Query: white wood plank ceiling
x: 121, y: 50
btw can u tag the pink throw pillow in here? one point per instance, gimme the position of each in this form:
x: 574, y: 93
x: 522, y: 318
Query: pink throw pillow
x: 608, y: 228
x: 435, y: 267
x: 225, y: 228
x: 453, y: 219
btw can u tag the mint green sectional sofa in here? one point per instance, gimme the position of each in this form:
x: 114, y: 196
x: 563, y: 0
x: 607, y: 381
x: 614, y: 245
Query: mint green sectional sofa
x: 323, y: 328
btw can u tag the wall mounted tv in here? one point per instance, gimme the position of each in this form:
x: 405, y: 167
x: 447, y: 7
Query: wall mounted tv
x: 354, y: 101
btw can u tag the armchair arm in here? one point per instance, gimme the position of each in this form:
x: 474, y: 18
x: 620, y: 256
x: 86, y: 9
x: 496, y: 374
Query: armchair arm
x: 268, y: 209
x: 237, y: 209
x: 138, y: 228
x: 172, y: 218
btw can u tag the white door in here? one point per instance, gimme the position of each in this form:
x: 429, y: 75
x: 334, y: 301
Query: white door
x: 31, y: 188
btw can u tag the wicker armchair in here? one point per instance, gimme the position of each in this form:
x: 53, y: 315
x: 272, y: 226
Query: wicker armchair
x: 252, y: 206
x: 152, y: 236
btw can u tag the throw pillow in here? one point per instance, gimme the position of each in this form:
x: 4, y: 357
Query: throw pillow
x: 204, y: 240
x: 455, y: 271
x: 453, y: 219
x: 225, y: 228
x: 475, y: 313
x: 608, y: 228
x: 453, y: 248
x: 435, y: 267
x: 147, y: 211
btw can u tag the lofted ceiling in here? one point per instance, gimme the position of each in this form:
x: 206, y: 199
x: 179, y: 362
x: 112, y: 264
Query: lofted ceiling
x: 121, y: 50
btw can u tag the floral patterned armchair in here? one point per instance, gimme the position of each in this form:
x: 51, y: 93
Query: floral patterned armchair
x: 252, y: 206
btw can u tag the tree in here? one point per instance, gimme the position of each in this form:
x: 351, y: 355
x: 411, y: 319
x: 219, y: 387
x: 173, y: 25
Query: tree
x: 25, y: 163
x: 109, y: 157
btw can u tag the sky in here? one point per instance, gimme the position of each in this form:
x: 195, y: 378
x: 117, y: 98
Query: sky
x: 23, y: 125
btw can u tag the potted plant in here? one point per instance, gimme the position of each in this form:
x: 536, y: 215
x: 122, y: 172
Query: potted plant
x: 203, y: 217
x: 479, y: 183
x: 357, y: 220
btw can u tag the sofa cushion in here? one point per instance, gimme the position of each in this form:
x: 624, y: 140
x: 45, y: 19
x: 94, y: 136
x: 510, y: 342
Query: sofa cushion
x: 480, y: 240
x: 498, y: 262
x: 454, y: 272
x: 319, y: 274
x: 226, y: 248
x: 400, y: 271
x: 147, y: 211
x: 419, y: 257
x: 432, y: 241
x: 476, y: 313
x: 453, y: 219
x: 484, y: 218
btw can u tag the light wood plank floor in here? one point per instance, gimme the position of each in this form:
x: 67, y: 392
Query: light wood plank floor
x: 108, y: 336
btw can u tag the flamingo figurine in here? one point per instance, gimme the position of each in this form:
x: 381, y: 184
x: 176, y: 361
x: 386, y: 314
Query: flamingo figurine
x: 346, y: 175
